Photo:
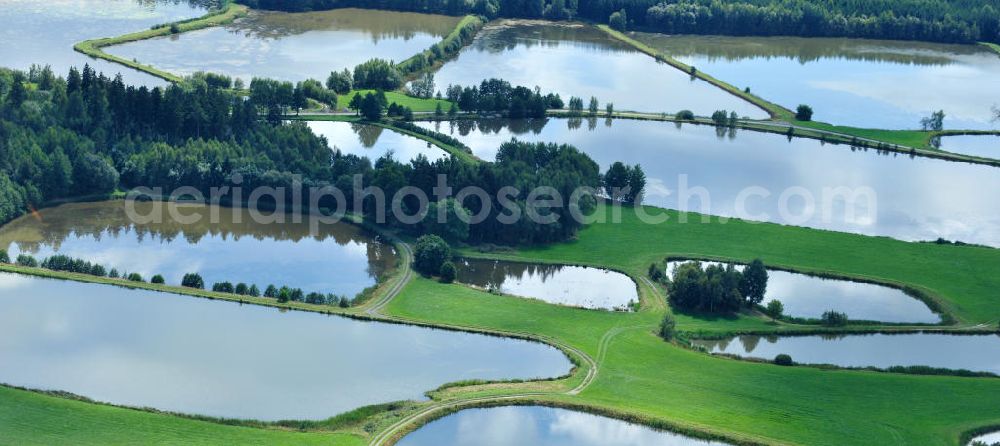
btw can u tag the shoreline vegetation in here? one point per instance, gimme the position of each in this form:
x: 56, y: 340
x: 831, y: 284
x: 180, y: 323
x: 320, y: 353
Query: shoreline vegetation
x: 631, y: 358
x: 911, y: 142
x: 901, y: 141
x: 419, y: 302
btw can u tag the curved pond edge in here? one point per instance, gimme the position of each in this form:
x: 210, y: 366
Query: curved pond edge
x: 177, y: 291
x: 498, y: 255
x: 654, y: 423
x: 633, y: 309
x: 968, y: 435
x: 929, y: 298
x: 684, y: 340
x: 412, y: 67
x: 93, y: 47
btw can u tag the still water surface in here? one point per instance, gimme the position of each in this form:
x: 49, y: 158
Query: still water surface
x: 577, y: 286
x: 176, y: 353
x: 986, y: 146
x: 292, y: 46
x: 979, y: 353
x: 809, y: 297
x: 540, y: 426
x: 44, y: 32
x: 855, y: 82
x: 341, y: 258
x: 373, y: 142
x: 766, y: 177
x: 577, y: 60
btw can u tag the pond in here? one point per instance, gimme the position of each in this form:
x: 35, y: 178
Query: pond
x: 855, y: 82
x: 986, y: 146
x: 292, y: 46
x: 576, y: 286
x: 809, y: 296
x: 990, y: 439
x: 44, y: 32
x: 540, y: 426
x: 373, y: 141
x: 578, y: 60
x: 183, y: 354
x: 766, y: 177
x: 980, y: 353
x: 341, y: 258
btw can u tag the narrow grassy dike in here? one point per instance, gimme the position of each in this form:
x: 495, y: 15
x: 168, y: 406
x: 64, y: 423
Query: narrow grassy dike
x: 93, y: 48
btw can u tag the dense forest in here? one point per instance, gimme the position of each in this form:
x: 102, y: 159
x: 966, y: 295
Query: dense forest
x: 88, y: 134
x: 931, y: 20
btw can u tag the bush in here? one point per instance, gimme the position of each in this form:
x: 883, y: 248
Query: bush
x: 618, y: 20
x: 134, y: 277
x: 26, y: 260
x: 157, y: 279
x: 783, y: 359
x: 193, y: 280
x: 242, y: 289
x: 271, y: 291
x: 430, y: 253
x: 775, y: 309
x: 448, y: 272
x: 4, y: 258
x: 804, y: 113
x: 834, y: 319
x: 668, y: 327
x: 685, y: 115
x: 377, y: 74
x: 223, y: 287
x: 174, y: 29
x: 253, y: 291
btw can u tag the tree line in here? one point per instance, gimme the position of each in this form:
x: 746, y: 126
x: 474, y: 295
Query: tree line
x: 963, y: 21
x: 89, y: 134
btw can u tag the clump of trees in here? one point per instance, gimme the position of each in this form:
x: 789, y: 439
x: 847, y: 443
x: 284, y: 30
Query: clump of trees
x: 624, y: 183
x: 833, y: 318
x: 722, y: 118
x: 193, y: 280
x: 377, y: 74
x: 61, y: 262
x: 618, y: 20
x: 803, y: 113
x: 448, y: 272
x: 430, y: 254
x: 934, y: 122
x: 784, y: 360
x: 499, y: 96
x: 775, y: 309
x: 27, y: 261
x: 340, y: 82
x: 717, y: 288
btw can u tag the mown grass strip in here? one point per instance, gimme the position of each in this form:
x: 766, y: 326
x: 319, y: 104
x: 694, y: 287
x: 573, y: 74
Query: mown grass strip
x: 776, y: 111
x: 94, y: 47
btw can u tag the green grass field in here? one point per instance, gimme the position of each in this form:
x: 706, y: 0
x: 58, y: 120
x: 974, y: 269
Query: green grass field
x: 644, y: 376
x: 417, y: 104
x: 965, y: 279
x: 29, y: 418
